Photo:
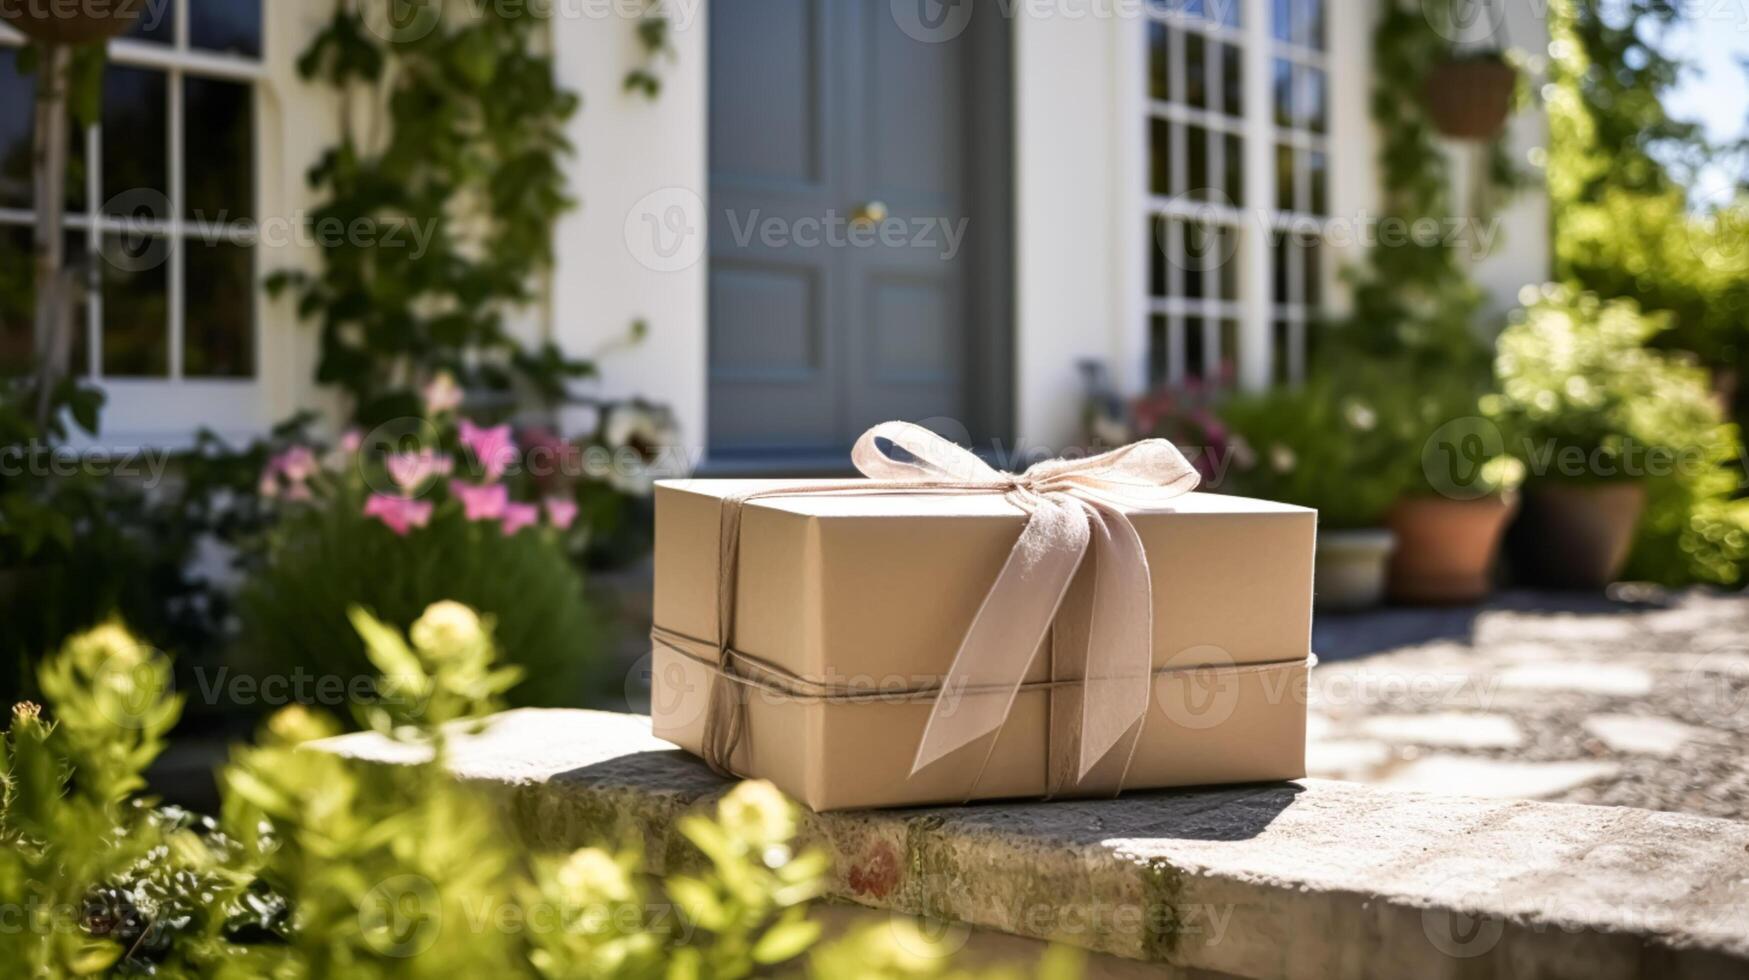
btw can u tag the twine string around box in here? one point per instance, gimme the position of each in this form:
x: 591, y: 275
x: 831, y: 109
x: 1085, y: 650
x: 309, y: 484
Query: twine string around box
x: 1072, y: 506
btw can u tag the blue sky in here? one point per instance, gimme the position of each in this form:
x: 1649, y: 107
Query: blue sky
x: 1717, y: 93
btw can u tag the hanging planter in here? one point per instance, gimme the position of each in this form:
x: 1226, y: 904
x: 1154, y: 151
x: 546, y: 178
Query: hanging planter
x: 1470, y: 97
x: 72, y: 21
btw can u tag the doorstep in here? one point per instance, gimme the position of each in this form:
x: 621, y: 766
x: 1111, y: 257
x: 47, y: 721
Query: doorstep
x: 1293, y: 880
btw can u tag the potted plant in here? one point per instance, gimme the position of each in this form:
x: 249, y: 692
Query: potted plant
x: 1593, y: 413
x: 1469, y: 95
x: 1324, y: 445
x: 1454, y: 511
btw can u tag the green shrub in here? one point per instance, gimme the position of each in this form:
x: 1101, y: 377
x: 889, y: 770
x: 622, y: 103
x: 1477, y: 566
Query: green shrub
x: 321, y: 868
x: 1584, y: 399
x: 1326, y: 444
x: 328, y: 556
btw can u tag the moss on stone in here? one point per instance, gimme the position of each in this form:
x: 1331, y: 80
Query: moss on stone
x: 1163, y: 919
x: 929, y: 865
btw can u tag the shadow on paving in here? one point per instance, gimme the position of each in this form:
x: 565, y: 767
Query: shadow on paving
x: 1347, y: 636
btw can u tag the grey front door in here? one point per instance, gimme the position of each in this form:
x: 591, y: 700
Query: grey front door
x: 856, y: 211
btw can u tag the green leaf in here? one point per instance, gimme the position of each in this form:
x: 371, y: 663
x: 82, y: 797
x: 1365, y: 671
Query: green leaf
x: 785, y: 941
x: 697, y: 901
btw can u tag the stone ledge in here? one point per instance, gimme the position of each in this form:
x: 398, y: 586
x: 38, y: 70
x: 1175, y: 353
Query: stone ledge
x: 1312, y: 879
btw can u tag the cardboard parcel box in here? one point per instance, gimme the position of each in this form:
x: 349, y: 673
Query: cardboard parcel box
x: 848, y: 609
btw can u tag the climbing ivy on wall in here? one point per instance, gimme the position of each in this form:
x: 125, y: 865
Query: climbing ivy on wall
x: 1414, y: 301
x: 449, y: 161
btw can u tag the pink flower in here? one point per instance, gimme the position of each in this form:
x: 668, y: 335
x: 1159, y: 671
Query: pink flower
x: 519, y: 516
x: 411, y: 471
x: 494, y: 448
x: 269, y: 485
x: 442, y: 395
x: 486, y: 503
x: 345, y: 451
x: 562, y: 512
x: 399, y: 514
x: 296, y: 464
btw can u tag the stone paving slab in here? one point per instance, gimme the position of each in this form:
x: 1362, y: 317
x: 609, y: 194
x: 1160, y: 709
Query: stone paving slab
x: 1641, y: 700
x: 1301, y: 880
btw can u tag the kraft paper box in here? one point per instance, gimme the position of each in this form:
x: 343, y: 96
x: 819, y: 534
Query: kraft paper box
x: 872, y: 593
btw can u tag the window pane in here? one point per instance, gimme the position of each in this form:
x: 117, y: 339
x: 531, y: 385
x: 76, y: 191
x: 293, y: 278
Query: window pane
x: 1196, y: 153
x: 1283, y: 84
x: 17, y: 122
x: 1157, y: 232
x: 1281, y: 255
x: 219, y: 336
x: 157, y: 23
x: 1282, y: 25
x: 1282, y: 352
x: 1159, y: 61
x: 17, y: 141
x: 1160, y: 157
x: 1200, y: 246
x: 17, y: 299
x: 1284, y: 177
x: 1229, y: 263
x: 1310, y: 29
x: 233, y: 26
x: 1195, y: 348
x: 1235, y: 164
x: 220, y: 151
x: 1232, y: 81
x: 1196, y: 86
x: 135, y: 141
x: 1314, y: 273
x: 136, y: 306
x: 1228, y: 11
x: 1229, y: 356
x: 1313, y: 106
x: 1159, y: 348
x: 1319, y: 167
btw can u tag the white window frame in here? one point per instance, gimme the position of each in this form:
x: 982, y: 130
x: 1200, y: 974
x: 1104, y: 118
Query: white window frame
x: 166, y: 411
x: 1256, y: 309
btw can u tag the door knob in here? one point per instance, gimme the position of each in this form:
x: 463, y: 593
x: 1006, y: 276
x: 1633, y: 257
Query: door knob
x: 870, y: 213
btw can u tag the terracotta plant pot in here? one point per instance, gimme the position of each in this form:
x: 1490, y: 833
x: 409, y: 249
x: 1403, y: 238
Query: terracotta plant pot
x: 1575, y: 535
x: 1471, y: 100
x: 1350, y: 569
x: 1446, y: 548
x: 72, y: 21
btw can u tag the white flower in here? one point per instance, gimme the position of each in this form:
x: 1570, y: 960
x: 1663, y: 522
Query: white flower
x: 1281, y: 458
x: 442, y: 395
x: 757, y: 813
x: 448, y: 628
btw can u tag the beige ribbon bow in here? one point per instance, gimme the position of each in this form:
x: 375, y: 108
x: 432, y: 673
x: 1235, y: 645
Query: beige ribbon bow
x: 1071, y: 504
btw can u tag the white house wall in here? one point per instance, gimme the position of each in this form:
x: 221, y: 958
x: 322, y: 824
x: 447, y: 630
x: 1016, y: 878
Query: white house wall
x: 1523, y: 252
x: 635, y: 156
x: 1073, y: 257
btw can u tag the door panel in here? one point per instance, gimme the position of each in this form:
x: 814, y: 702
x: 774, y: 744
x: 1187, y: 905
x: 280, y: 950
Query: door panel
x: 765, y: 80
x: 818, y: 331
x: 773, y: 360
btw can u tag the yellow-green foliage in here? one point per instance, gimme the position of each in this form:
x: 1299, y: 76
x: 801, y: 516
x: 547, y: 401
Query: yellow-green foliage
x: 1577, y: 378
x: 320, y: 868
